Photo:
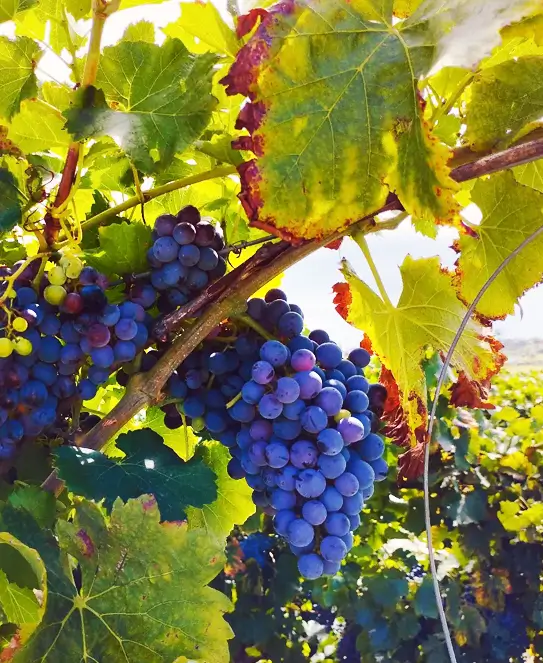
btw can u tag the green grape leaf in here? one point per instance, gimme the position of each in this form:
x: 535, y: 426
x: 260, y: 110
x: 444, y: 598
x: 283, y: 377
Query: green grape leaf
x: 202, y: 29
x: 233, y: 504
x: 48, y: 22
x: 11, y: 250
x: 219, y: 147
x: 531, y: 174
x: 18, y: 60
x: 159, y: 99
x: 108, y: 168
x: 424, y: 602
x: 334, y: 118
x: 149, y: 467
x: 11, y: 201
x: 404, y: 8
x: 503, y: 100
x: 123, y: 249
x: 143, y: 595
x: 39, y: 503
x: 182, y: 440
x: 10, y: 8
x: 427, y: 316
x: 21, y: 605
x: 511, y: 212
x: 38, y: 127
x: 142, y: 31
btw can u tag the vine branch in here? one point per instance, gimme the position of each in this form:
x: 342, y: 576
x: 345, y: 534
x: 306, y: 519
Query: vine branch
x: 229, y: 294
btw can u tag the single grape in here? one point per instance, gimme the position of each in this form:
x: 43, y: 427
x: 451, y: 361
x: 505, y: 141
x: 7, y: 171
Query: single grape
x: 263, y: 372
x: 256, y: 308
x: 6, y: 347
x: 356, y: 401
x: 352, y: 505
x: 197, y: 279
x: 184, y: 233
x: 205, y: 233
x: 269, y: 407
x: 330, y: 400
x: 242, y: 411
x: 287, y: 390
x: 300, y: 533
x: 310, y: 384
x: 347, y: 484
x: 314, y: 512
x: 347, y: 368
x: 275, y: 293
x: 331, y: 568
x: 49, y: 350
x: 371, y: 448
x: 355, y: 520
x: 286, y: 477
x: 380, y: 467
x: 219, y: 271
x: 328, y: 355
x: 34, y: 392
x: 143, y: 294
x: 294, y: 410
x: 165, y: 249
x: 282, y: 499
x: 358, y: 383
x: 189, y: 255
x: 300, y: 343
x: 282, y: 520
x: 86, y: 389
x: 333, y: 549
x: 124, y: 351
x: 98, y: 375
x: 360, y: 357
x: 165, y: 224
x: 290, y: 324
x: 351, y: 429
x: 332, y: 499
x: 286, y: 429
x: 261, y: 430
x: 252, y: 392
x: 70, y: 353
x: 73, y: 268
x: 319, y: 336
x: 126, y: 329
x: 19, y: 324
x: 94, y: 298
x: 98, y: 335
x: 303, y: 454
x: 277, y: 455
x: 216, y: 422
x: 56, y: 276
x: 311, y: 566
x: 337, y: 524
x: 314, y: 419
x: 363, y: 471
x: 189, y: 214
x: 110, y: 316
x: 133, y: 311
x: 73, y: 303
x: 332, y: 467
x: 274, y: 352
x: 26, y: 296
x: 274, y: 311
x: 102, y: 357
x: 46, y: 373
x: 54, y: 294
x: 302, y: 360
x: 329, y: 441
x: 209, y: 259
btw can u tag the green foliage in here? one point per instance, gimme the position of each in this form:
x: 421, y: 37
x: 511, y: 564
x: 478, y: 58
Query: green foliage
x: 122, y: 249
x: 148, y: 467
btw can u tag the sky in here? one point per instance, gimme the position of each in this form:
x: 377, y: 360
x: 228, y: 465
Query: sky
x: 310, y: 282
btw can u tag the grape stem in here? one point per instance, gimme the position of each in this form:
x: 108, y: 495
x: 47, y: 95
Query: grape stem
x: 134, y: 201
x: 227, y: 293
x: 360, y: 239
x: 253, y: 324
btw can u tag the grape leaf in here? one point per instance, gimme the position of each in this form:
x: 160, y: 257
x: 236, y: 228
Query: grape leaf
x: 511, y: 212
x: 233, y: 504
x: 503, y: 100
x: 531, y: 174
x: 143, y: 593
x: 11, y: 201
x: 48, y: 22
x: 10, y: 251
x: 427, y: 315
x: 38, y: 127
x: 23, y: 606
x: 18, y: 60
x: 123, y: 249
x: 404, y: 8
x: 335, y: 114
x: 142, y: 31
x: 182, y: 440
x: 424, y: 602
x: 39, y: 503
x: 10, y: 8
x: 149, y: 467
x: 159, y: 99
x: 202, y: 29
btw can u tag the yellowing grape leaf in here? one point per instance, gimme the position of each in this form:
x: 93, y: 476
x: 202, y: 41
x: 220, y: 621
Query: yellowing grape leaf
x: 150, y: 98
x: 18, y: 60
x: 143, y: 595
x: 142, y: 31
x: 335, y: 116
x: 427, y: 316
x: 10, y: 8
x: 38, y: 128
x: 48, y: 21
x: 503, y: 100
x: 511, y: 212
x: 531, y: 174
x: 233, y: 504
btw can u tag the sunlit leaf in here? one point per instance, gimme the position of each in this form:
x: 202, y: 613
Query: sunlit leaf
x: 143, y: 596
x: 18, y: 60
x: 38, y: 127
x: 142, y: 31
x: 10, y: 8
x: 531, y: 174
x: 156, y: 98
x: 427, y: 315
x: 511, y: 212
x: 182, y: 440
x: 134, y: 238
x: 11, y: 200
x: 233, y: 504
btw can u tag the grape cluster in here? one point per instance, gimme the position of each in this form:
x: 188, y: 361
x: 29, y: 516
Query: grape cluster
x: 184, y: 259
x: 299, y: 420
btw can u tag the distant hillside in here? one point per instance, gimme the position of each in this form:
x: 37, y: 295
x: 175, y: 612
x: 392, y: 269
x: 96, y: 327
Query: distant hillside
x: 523, y: 354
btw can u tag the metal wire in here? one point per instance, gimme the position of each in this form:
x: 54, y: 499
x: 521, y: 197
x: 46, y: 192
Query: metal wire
x: 441, y: 380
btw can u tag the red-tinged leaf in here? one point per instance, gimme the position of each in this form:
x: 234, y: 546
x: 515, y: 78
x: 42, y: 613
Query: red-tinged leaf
x: 426, y: 317
x: 334, y: 246
x: 467, y: 393
x: 247, y: 22
x: 411, y: 463
x: 335, y: 119
x: 366, y: 344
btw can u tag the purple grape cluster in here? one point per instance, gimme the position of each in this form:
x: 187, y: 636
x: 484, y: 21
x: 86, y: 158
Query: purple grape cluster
x: 184, y: 259
x: 300, y: 422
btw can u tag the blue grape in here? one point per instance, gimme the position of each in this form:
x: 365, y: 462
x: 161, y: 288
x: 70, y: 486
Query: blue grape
x: 303, y: 454
x: 314, y: 419
x: 371, y: 448
x: 184, y: 233
x: 151, y: 259
x: 353, y: 505
x: 177, y: 387
x: 227, y: 438
x: 164, y: 224
x: 286, y: 429
x: 7, y: 448
x: 300, y: 343
x: 360, y: 357
x: 310, y: 384
x: 282, y: 520
x: 256, y: 307
x: 126, y: 329
x: 64, y: 387
x: 311, y: 566
x: 275, y: 293
x: 328, y: 355
x: 234, y: 469
x: 189, y: 255
x: 26, y: 296
x: 50, y: 325
x: 269, y: 477
x: 300, y: 533
x: 98, y: 375
x: 331, y: 568
x: 277, y: 455
x: 269, y: 407
x: 259, y: 498
x: 319, y: 336
x: 49, y: 350
x: 173, y: 272
x: 110, y: 316
x: 356, y: 401
x: 46, y: 373
x: 34, y: 392
x: 351, y: 430
x: 283, y: 499
x: 332, y: 499
x: 165, y: 249
x: 354, y: 520
x: 303, y: 360
x: 286, y: 477
x: 70, y: 353
x: 290, y: 324
x: 260, y: 430
x: 242, y: 411
x: 69, y: 333
x: 194, y: 378
x: 197, y: 279
x: 209, y: 259
x: 332, y: 466
x: 98, y: 335
x: 274, y: 352
x: 310, y: 483
x: 86, y: 389
x: 257, y: 453
x: 246, y: 346
x: 142, y: 294
x: 348, y: 540
x: 275, y: 310
x: 314, y: 512
x: 287, y: 390
x: 363, y: 471
x: 193, y: 407
x: 366, y: 425
x: 263, y: 372
x: 102, y: 357
x: 380, y: 468
x: 347, y: 484
x: 329, y: 442
x: 124, y: 351
x: 293, y: 411
x: 218, y: 363
x: 358, y: 383
x: 334, y: 374
x: 337, y: 524
x: 330, y: 400
x: 347, y: 368
x: 333, y: 549
x: 248, y: 465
